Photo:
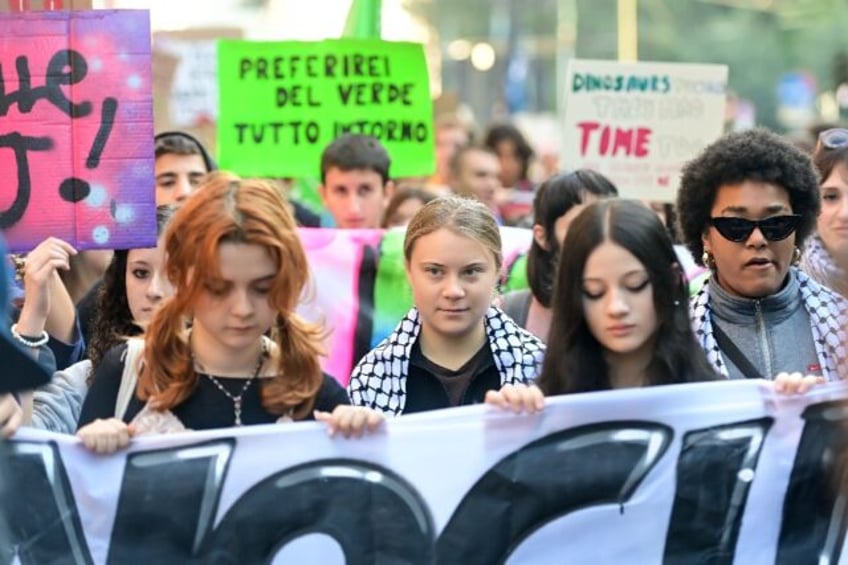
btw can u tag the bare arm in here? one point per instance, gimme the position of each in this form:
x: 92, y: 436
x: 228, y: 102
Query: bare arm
x: 47, y: 305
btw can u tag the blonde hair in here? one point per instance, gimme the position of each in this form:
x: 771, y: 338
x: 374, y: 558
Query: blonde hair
x: 226, y: 209
x: 463, y: 216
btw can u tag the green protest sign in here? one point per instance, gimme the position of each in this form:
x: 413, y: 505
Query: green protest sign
x: 281, y: 103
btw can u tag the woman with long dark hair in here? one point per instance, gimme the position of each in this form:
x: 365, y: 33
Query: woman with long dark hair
x: 621, y: 306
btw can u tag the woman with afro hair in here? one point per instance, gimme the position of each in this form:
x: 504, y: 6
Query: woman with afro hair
x: 746, y: 205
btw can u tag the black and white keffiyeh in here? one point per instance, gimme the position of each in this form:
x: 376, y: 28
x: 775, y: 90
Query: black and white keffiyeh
x: 379, y: 379
x: 828, y: 315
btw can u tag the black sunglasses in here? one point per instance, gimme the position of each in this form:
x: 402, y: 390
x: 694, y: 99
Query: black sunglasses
x: 740, y: 229
x: 834, y: 138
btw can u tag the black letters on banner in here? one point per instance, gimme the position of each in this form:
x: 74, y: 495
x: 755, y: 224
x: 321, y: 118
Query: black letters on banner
x: 40, y: 518
x: 169, y: 499
x: 177, y: 490
x: 815, y: 514
x: 546, y: 479
x: 373, y: 514
x: 714, y: 472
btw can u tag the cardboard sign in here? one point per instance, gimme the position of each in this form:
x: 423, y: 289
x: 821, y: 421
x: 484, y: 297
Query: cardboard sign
x: 193, y: 91
x: 76, y: 129
x: 638, y: 123
x: 281, y: 103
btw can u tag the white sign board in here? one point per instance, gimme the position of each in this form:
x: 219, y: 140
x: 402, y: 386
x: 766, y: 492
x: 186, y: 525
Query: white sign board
x: 194, y: 89
x: 638, y: 123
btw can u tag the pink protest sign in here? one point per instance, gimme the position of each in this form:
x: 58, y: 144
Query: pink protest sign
x: 76, y: 129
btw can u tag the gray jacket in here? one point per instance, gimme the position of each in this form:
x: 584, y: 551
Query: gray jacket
x: 799, y: 328
x: 57, y: 405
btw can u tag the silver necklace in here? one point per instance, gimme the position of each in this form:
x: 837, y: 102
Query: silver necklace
x: 237, y: 400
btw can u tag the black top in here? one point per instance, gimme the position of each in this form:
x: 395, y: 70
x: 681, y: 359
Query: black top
x: 429, y: 386
x: 304, y: 216
x: 207, y: 408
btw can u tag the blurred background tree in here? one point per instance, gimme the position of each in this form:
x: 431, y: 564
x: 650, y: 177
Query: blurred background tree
x: 760, y: 40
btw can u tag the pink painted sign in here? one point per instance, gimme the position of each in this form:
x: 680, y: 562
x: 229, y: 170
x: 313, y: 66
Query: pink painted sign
x: 76, y: 129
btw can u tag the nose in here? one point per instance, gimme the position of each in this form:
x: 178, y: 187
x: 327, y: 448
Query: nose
x: 756, y: 239
x: 617, y: 305
x: 182, y: 190
x: 843, y: 209
x: 159, y: 287
x: 355, y: 205
x: 241, y: 305
x: 453, y: 288
x: 154, y: 289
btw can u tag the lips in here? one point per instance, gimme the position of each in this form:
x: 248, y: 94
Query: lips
x: 453, y: 310
x: 621, y: 329
x: 758, y: 262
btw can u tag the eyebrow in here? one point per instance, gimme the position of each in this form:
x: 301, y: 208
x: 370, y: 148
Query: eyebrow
x: 171, y: 174
x: 627, y: 274
x: 437, y: 264
x: 742, y: 209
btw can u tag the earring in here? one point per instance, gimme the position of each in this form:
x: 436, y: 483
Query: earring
x: 676, y: 303
x: 707, y: 259
x: 796, y: 256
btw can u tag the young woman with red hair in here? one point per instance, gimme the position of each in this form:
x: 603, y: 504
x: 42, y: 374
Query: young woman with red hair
x: 238, y: 270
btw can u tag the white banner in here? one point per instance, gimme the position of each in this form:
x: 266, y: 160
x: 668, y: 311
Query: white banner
x: 721, y: 472
x: 637, y: 123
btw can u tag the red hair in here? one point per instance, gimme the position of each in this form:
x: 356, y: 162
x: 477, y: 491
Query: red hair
x: 226, y: 209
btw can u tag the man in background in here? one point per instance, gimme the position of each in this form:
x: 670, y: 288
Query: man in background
x: 355, y: 185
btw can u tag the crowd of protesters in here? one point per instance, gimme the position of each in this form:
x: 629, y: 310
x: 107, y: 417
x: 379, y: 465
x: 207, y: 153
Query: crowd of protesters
x: 201, y: 331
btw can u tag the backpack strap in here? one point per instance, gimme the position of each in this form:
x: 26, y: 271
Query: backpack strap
x: 734, y: 354
x: 129, y: 378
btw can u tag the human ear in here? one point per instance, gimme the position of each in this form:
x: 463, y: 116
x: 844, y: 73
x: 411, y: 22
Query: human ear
x: 388, y: 191
x: 539, y: 237
x: 408, y: 269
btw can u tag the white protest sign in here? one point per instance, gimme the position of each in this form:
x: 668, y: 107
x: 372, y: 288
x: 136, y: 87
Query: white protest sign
x: 193, y: 96
x: 638, y: 123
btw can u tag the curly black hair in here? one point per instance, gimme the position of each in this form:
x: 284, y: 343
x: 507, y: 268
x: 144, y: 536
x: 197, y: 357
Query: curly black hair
x: 113, y: 322
x: 752, y: 155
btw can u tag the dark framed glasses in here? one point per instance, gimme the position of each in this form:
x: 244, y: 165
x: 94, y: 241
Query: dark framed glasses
x: 834, y: 138
x: 740, y: 229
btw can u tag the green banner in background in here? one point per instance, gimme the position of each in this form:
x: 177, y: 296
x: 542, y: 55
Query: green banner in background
x: 364, y: 19
x: 281, y: 103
